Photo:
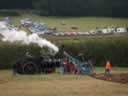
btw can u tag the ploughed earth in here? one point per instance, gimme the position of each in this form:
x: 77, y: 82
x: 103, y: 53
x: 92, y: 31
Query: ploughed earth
x: 119, y: 78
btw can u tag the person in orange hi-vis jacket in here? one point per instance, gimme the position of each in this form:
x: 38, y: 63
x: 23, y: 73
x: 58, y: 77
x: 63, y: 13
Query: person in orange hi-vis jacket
x: 107, y: 68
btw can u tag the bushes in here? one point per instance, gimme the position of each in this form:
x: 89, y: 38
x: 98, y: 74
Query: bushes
x: 10, y: 53
x: 9, y: 13
x: 113, y: 48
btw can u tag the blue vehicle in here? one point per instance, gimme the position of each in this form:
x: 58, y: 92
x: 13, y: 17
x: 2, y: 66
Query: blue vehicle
x: 81, y: 67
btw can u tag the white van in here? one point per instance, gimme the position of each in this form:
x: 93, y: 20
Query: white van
x: 121, y: 30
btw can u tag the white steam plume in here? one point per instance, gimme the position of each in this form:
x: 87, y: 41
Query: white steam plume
x: 13, y: 36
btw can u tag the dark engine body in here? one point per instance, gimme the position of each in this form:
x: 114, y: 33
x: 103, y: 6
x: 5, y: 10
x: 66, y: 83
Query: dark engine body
x: 33, y: 65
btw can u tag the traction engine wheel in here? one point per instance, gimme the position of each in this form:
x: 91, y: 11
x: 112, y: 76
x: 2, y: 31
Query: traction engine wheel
x: 30, y: 68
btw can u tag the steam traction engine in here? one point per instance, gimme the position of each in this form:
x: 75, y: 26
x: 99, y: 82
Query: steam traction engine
x: 47, y: 64
x: 33, y: 65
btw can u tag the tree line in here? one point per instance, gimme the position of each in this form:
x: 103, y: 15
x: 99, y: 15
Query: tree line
x: 113, y: 8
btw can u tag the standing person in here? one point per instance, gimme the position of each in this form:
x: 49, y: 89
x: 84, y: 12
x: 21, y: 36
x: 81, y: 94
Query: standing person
x: 65, y: 62
x: 107, y: 68
x: 14, y: 69
x: 91, y: 66
x: 62, y: 68
x: 72, y: 68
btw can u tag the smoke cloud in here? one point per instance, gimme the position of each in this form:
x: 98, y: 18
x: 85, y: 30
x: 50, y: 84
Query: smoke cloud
x: 21, y: 36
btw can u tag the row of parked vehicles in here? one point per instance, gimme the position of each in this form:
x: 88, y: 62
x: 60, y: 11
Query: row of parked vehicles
x: 42, y: 28
x: 35, y: 27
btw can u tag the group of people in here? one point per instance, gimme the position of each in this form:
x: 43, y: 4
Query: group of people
x: 72, y: 68
x: 69, y: 67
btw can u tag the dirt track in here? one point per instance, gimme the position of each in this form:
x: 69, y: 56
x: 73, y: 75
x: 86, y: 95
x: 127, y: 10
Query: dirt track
x: 89, y: 87
x: 119, y: 78
x: 59, y: 85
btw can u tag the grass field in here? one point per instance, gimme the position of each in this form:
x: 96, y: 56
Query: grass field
x: 67, y: 85
x: 59, y: 85
x: 82, y: 39
x: 83, y: 23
